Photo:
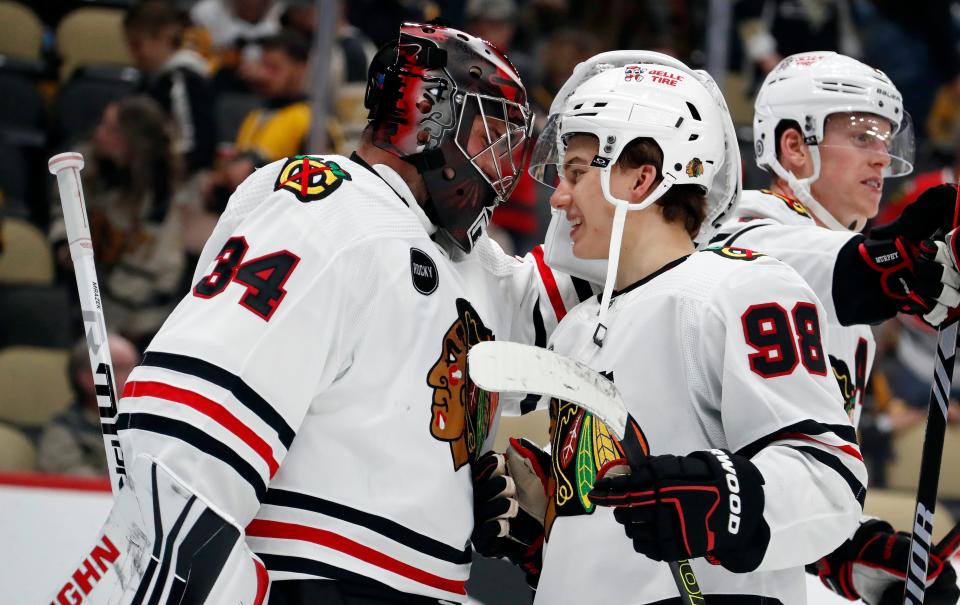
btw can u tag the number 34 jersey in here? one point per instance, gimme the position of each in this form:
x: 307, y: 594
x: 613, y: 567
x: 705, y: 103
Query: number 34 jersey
x: 720, y: 349
x: 313, y: 385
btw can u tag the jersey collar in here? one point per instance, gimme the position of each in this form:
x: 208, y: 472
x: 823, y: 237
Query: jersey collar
x: 395, y: 182
x: 648, y: 278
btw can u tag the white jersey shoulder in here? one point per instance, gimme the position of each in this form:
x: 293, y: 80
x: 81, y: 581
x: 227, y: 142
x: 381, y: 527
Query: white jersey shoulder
x: 763, y: 203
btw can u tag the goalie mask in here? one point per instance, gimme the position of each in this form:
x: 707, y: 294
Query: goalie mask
x: 453, y: 106
x: 809, y: 89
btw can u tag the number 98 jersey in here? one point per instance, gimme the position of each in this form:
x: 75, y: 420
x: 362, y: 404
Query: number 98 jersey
x: 721, y: 349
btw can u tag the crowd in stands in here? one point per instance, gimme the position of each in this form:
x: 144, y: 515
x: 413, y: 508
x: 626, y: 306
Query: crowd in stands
x: 174, y: 102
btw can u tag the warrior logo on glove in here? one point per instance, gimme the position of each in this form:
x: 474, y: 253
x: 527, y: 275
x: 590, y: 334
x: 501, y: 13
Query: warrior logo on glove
x: 582, y: 447
x: 462, y: 412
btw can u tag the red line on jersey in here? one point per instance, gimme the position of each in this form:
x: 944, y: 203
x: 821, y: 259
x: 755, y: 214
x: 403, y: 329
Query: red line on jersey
x: 209, y: 408
x: 263, y: 581
x: 550, y: 283
x: 847, y: 449
x: 263, y: 528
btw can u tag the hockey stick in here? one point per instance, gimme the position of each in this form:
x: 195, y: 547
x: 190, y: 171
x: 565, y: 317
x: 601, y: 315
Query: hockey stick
x: 509, y: 367
x: 931, y: 457
x: 98, y: 574
x: 949, y: 545
x: 66, y: 167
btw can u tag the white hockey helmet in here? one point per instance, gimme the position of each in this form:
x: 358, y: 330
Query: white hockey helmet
x: 723, y: 193
x: 807, y: 88
x: 652, y: 96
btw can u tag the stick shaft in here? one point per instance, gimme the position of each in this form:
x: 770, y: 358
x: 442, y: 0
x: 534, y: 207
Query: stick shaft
x: 66, y: 167
x: 922, y: 533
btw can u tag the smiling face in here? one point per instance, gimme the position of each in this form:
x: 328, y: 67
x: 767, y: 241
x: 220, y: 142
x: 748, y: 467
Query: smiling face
x: 853, y: 155
x: 579, y: 196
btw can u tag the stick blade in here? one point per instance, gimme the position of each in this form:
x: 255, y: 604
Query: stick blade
x: 509, y: 367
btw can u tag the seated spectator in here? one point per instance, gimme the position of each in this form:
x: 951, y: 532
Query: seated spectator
x: 236, y: 28
x: 176, y: 77
x: 496, y: 22
x: 72, y: 443
x: 281, y: 127
x: 130, y: 180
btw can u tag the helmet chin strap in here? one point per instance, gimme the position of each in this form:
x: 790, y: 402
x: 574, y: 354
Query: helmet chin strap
x: 616, y: 237
x: 801, y: 189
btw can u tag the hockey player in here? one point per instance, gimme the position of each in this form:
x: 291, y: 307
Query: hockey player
x: 830, y: 129
x: 305, y: 418
x: 719, y: 357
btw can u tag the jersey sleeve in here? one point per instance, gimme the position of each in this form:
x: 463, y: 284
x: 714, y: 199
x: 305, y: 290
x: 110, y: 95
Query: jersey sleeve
x: 781, y: 408
x: 226, y: 383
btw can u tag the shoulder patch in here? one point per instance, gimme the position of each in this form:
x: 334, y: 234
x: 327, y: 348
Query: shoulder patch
x: 792, y: 204
x: 735, y: 253
x: 310, y: 178
x: 423, y: 271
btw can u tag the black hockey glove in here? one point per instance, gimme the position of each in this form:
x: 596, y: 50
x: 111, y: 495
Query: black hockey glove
x: 875, y: 279
x: 509, y: 504
x: 709, y: 503
x: 936, y: 209
x: 872, y: 566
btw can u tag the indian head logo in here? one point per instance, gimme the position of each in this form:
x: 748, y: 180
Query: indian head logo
x: 462, y: 413
x: 791, y: 203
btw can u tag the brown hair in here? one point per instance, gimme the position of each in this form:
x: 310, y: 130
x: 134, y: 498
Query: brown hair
x: 155, y: 17
x: 684, y: 204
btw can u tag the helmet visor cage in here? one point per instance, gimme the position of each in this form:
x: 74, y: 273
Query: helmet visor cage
x: 875, y: 137
x: 494, y: 135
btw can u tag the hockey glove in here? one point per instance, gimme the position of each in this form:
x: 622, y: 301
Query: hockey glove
x: 510, y: 502
x: 875, y: 279
x: 936, y: 209
x: 709, y: 503
x: 872, y: 566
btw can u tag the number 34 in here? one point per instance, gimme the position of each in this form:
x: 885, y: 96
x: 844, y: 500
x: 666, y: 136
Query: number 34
x: 263, y: 277
x: 767, y: 329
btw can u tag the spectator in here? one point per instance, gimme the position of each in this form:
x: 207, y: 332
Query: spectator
x: 280, y: 129
x: 496, y: 22
x: 350, y: 54
x: 130, y: 180
x: 72, y: 443
x: 175, y: 77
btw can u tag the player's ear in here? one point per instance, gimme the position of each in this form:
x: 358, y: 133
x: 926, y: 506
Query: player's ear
x: 643, y: 181
x: 794, y: 154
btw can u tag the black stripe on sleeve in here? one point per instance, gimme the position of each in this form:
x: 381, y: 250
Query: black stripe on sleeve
x: 312, y: 568
x: 157, y: 542
x: 168, y: 551
x: 201, y: 557
x: 385, y: 527
x: 198, y: 439
x: 827, y: 459
x: 807, y: 427
x: 225, y: 380
x: 529, y: 402
x: 582, y: 288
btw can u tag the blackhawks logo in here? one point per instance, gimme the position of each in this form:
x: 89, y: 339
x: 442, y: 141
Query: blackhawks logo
x: 694, y: 168
x: 735, y: 253
x: 310, y: 178
x: 792, y: 204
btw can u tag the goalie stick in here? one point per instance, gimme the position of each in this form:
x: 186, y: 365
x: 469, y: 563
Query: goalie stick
x: 932, y: 453
x: 96, y: 575
x: 509, y: 367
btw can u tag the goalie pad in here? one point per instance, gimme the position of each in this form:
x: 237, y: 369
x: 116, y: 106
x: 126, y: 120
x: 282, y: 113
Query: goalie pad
x: 173, y: 547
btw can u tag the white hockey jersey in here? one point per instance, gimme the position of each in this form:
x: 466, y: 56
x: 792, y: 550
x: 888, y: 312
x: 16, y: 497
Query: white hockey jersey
x: 720, y: 349
x: 313, y: 386
x: 781, y: 227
